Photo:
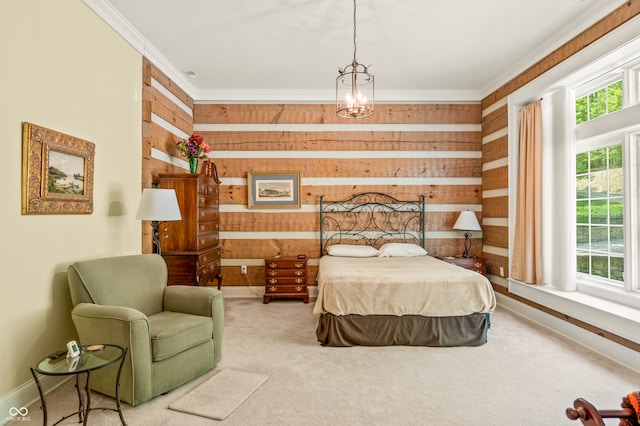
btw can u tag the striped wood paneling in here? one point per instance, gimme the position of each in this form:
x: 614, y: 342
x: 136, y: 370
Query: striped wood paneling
x: 496, y: 149
x: 326, y: 114
x: 495, y: 178
x: 156, y: 103
x: 338, y: 160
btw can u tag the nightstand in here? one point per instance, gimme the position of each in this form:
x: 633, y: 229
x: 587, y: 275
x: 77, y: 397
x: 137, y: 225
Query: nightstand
x: 285, y: 277
x: 477, y: 264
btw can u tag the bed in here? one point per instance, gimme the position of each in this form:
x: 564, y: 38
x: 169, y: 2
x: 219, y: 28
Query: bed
x: 377, y: 285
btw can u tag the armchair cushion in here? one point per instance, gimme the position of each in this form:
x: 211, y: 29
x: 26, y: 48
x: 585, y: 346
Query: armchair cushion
x: 174, y: 332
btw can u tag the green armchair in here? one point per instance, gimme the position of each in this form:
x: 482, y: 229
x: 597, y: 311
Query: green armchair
x: 174, y: 333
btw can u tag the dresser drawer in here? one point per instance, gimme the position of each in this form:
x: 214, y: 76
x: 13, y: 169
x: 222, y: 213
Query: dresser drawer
x: 285, y: 272
x: 285, y: 264
x: 476, y: 264
x: 208, y: 227
x: 280, y: 288
x: 208, y: 187
x: 207, y: 200
x: 286, y: 280
x: 208, y: 214
x: 207, y: 240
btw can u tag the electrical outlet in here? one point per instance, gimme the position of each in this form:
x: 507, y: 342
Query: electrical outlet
x: 501, y: 271
x: 243, y: 269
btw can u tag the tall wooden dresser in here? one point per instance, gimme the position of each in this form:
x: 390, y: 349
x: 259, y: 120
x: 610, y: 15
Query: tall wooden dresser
x: 192, y: 249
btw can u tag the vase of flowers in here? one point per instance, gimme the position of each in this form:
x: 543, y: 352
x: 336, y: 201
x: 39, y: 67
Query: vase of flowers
x: 193, y: 149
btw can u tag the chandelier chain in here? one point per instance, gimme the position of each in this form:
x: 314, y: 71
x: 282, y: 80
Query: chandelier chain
x: 354, y: 32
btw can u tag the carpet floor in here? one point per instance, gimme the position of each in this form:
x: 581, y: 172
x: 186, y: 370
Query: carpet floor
x: 524, y: 375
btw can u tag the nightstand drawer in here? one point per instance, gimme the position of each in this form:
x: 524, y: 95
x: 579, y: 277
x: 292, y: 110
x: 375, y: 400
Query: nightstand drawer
x: 286, y: 280
x: 286, y: 264
x: 286, y: 289
x: 286, y: 272
x: 476, y: 264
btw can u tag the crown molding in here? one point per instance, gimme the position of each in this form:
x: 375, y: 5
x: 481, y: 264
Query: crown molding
x: 596, y: 12
x: 131, y: 35
x: 329, y: 96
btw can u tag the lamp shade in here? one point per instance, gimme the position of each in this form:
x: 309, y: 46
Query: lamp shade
x: 159, y: 205
x: 467, y: 221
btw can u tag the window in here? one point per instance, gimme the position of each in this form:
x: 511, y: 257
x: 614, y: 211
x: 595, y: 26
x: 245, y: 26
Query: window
x: 591, y: 174
x: 599, y: 213
x: 605, y: 208
x: 599, y: 102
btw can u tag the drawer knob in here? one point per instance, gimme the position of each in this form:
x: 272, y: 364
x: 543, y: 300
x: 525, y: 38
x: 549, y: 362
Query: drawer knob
x: 273, y: 265
x: 477, y: 264
x: 299, y: 265
x: 273, y: 288
x: 298, y: 273
x: 273, y: 273
x: 298, y: 288
x: 299, y: 280
x: 273, y: 281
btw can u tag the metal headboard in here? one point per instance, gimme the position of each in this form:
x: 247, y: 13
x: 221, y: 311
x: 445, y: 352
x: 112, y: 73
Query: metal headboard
x: 371, y: 218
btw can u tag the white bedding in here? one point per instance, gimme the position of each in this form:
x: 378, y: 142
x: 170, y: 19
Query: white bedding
x: 420, y: 285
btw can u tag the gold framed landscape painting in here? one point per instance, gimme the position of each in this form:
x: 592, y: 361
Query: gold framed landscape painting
x: 273, y: 190
x: 57, y: 172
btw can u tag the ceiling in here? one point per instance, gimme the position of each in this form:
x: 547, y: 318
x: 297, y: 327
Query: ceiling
x: 418, y: 50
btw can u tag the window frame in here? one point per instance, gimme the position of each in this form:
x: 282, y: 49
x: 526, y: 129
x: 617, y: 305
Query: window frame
x: 559, y: 93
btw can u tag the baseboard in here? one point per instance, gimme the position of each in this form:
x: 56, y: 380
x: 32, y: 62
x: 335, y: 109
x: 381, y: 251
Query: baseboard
x: 621, y: 354
x: 25, y: 395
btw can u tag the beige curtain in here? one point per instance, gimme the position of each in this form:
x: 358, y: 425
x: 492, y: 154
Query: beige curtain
x: 526, y: 263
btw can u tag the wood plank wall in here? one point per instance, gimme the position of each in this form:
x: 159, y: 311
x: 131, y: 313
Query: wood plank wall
x: 167, y: 117
x: 495, y: 154
x: 403, y: 150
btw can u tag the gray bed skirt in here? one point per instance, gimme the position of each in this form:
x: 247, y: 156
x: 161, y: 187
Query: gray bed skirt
x: 412, y: 330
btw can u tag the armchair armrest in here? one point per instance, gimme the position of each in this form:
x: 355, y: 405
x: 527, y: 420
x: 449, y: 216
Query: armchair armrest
x: 108, y: 312
x: 192, y: 300
x: 118, y: 325
x: 125, y: 327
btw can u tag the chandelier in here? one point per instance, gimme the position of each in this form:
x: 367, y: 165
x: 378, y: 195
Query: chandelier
x: 354, y: 86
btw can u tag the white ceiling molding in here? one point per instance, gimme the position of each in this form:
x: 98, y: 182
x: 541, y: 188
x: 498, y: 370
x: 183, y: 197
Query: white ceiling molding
x: 329, y: 96
x: 593, y: 14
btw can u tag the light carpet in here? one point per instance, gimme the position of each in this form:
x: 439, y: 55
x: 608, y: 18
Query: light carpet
x: 525, y: 375
x: 220, y: 395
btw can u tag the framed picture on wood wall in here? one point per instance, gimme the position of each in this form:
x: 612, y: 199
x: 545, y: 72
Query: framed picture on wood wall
x: 273, y: 190
x: 57, y: 172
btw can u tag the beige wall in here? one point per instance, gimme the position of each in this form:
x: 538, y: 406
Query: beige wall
x: 65, y: 69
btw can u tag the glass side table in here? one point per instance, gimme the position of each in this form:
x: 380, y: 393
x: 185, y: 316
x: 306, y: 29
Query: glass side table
x: 92, y: 357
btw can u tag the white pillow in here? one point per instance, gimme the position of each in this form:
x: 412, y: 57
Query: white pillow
x: 401, y: 250
x: 349, y: 250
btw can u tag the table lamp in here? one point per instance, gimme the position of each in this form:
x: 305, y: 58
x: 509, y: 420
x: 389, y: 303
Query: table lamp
x: 158, y: 205
x: 467, y: 221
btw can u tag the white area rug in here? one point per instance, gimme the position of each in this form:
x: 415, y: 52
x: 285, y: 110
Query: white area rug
x: 220, y: 395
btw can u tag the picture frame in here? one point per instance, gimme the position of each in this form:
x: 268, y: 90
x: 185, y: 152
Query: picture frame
x: 57, y: 172
x: 273, y: 190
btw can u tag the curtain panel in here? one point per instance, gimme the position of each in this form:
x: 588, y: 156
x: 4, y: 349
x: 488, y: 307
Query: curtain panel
x: 526, y: 262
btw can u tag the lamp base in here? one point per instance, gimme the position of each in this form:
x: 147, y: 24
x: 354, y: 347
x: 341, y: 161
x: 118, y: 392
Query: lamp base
x: 467, y: 245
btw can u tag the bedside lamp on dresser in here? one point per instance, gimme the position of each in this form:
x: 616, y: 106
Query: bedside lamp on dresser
x: 467, y: 221
x: 157, y: 206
